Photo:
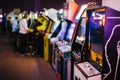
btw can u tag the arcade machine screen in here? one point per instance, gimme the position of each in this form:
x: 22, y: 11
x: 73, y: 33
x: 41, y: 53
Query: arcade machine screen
x: 70, y: 32
x: 80, y: 39
x: 55, y: 25
x: 1, y: 18
x: 44, y: 21
x: 64, y: 27
x: 60, y: 30
x: 96, y: 32
x: 56, y: 31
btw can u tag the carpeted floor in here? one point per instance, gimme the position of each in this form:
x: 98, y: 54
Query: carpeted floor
x: 16, y: 67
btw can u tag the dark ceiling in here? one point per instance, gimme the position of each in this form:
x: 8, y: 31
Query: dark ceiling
x: 36, y: 5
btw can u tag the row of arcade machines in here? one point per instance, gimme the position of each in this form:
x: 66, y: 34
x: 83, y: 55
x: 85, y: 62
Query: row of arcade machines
x: 60, y: 45
x: 60, y: 33
x: 92, y: 51
x: 45, y: 29
x: 95, y: 50
x: 55, y: 31
x: 90, y: 55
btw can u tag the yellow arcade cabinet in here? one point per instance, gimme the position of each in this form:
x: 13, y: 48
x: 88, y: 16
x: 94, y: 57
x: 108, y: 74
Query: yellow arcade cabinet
x: 46, y: 41
x: 43, y: 20
x: 52, y: 24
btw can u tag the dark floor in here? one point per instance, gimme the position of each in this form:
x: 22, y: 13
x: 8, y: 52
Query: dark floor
x: 16, y: 67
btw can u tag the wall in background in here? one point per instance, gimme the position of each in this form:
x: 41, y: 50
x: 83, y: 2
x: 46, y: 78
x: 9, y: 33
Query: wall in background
x: 37, y: 5
x: 30, y: 5
x: 57, y: 4
x: 8, y: 5
x: 115, y: 4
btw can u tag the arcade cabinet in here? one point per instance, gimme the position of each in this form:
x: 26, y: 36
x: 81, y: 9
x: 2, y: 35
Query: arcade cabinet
x: 53, y: 23
x: 79, y: 40
x: 46, y: 40
x: 78, y: 46
x: 101, y: 45
x: 63, y: 54
x: 51, y: 45
x: 59, y: 35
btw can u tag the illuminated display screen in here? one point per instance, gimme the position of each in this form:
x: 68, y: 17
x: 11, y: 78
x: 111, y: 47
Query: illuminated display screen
x: 81, y: 32
x: 1, y: 16
x: 96, y: 32
x: 64, y: 31
x: 64, y: 28
x: 67, y: 55
x: 55, y: 25
x: 70, y: 32
x: 57, y: 30
x: 60, y: 30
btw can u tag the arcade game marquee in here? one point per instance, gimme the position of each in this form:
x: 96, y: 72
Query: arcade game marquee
x: 101, y: 46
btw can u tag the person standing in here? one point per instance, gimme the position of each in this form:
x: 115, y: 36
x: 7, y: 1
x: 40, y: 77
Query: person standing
x: 15, y: 28
x: 9, y: 28
x: 23, y: 29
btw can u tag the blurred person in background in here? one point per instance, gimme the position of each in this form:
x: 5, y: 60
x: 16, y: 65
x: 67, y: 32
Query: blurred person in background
x: 23, y: 30
x: 9, y: 28
x: 15, y: 28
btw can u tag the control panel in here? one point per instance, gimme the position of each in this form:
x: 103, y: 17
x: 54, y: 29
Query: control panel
x: 85, y: 71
